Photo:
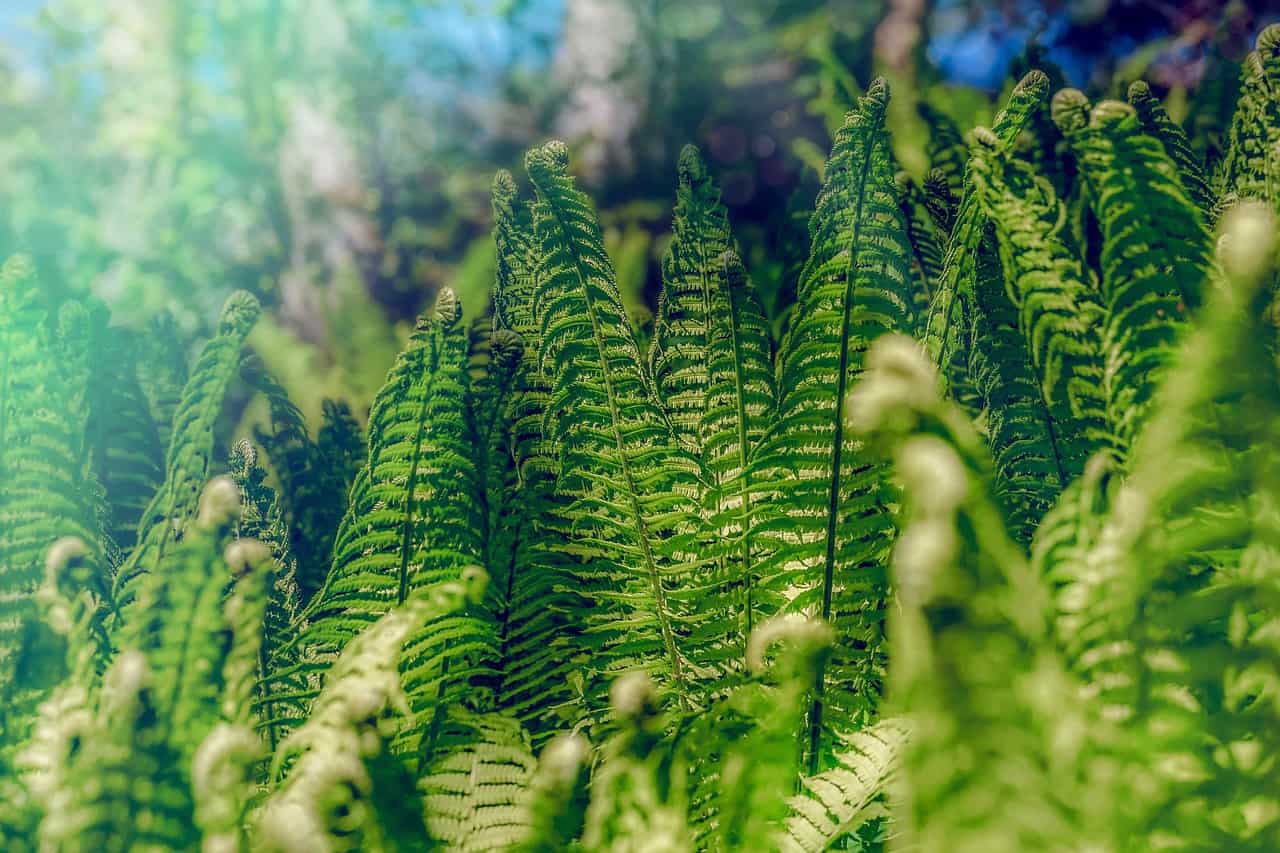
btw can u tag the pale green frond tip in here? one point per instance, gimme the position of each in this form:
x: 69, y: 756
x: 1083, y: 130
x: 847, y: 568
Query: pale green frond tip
x: 447, y: 310
x: 62, y: 554
x: 219, y: 503
x: 878, y: 92
x: 239, y: 313
x: 633, y: 696
x: 899, y: 381
x: 1035, y: 83
x: 1247, y: 245
x: 506, y: 348
x: 1112, y: 113
x: 1139, y: 90
x: 503, y: 189
x: 985, y: 138
x: 800, y: 635
x: 551, y: 158
x: 1269, y: 39
x: 243, y: 555
x: 932, y: 472
x: 564, y: 756
x: 1069, y: 110
x: 247, y: 453
x: 691, y: 168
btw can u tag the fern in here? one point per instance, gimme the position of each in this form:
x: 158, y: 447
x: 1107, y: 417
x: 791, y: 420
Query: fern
x: 678, y: 353
x: 1154, y: 254
x: 190, y: 456
x: 833, y: 523
x: 633, y: 512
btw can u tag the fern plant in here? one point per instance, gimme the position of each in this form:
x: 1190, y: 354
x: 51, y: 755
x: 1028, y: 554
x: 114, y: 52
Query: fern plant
x: 979, y: 553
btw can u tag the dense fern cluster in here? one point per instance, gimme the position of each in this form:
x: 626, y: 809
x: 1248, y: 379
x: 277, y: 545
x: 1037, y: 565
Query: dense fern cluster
x: 981, y: 553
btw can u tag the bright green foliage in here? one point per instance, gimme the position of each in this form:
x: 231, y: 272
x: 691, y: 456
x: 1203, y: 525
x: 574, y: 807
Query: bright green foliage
x: 1156, y: 122
x: 831, y: 523
x: 983, y: 556
x: 1248, y: 169
x: 414, y: 519
x: 633, y: 487
x: 1154, y: 255
x: 46, y: 493
x: 190, y: 457
x: 738, y: 410
x: 682, y: 326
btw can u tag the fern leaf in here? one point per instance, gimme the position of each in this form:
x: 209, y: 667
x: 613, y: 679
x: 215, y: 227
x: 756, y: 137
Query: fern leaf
x: 190, y: 456
x: 831, y: 524
x: 335, y: 791
x: 1156, y: 122
x: 837, y: 801
x: 739, y: 406
x: 678, y: 353
x: 1154, y: 252
x: 45, y: 492
x: 944, y: 147
x: 126, y: 456
x: 946, y: 330
x: 413, y: 520
x: 632, y: 487
x: 1247, y: 169
x: 475, y: 785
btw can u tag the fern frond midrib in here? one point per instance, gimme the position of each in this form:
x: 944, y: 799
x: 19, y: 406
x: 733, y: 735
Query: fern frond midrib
x: 837, y: 449
x: 651, y: 566
x: 744, y: 475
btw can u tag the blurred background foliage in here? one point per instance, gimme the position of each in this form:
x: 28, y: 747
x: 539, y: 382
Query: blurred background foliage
x: 334, y: 156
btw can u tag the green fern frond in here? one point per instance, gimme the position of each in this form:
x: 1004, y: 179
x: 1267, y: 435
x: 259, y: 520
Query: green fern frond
x: 1154, y: 254
x: 946, y: 331
x: 533, y: 578
x: 190, y: 456
x: 474, y: 786
x: 739, y: 408
x: 678, y: 352
x: 335, y: 790
x: 414, y: 519
x: 828, y: 530
x: 944, y: 147
x: 1156, y: 122
x: 633, y: 514
x: 46, y: 493
x: 838, y: 801
x: 313, y: 489
x: 126, y: 455
x: 1247, y: 169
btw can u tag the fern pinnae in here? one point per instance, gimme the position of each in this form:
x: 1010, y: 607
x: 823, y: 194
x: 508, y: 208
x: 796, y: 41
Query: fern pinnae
x: 1155, y: 260
x: 826, y: 534
x: 1156, y: 122
x: 678, y: 352
x: 45, y: 492
x: 739, y: 408
x: 942, y: 334
x: 189, y: 457
x: 631, y: 483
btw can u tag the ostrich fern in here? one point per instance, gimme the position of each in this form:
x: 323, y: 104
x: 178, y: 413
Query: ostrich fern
x: 980, y: 553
